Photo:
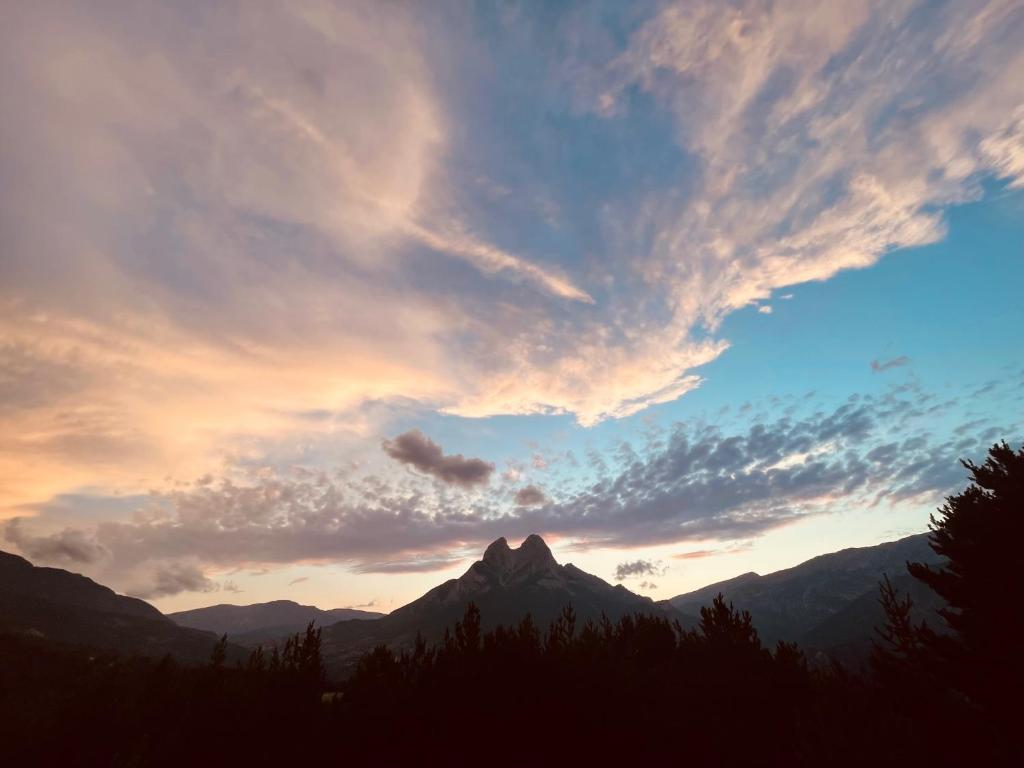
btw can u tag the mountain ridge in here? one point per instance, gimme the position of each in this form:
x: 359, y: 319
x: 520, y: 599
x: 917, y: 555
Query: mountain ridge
x: 67, y: 608
x: 258, y: 623
x: 800, y: 604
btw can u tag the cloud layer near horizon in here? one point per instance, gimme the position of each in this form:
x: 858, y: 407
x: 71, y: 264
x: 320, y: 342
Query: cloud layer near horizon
x: 692, y: 483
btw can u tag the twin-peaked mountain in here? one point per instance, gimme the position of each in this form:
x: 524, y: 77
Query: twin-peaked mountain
x: 264, y: 622
x: 506, y: 585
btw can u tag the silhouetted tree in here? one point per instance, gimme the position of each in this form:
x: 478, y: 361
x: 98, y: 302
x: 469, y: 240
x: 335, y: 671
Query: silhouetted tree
x: 219, y: 653
x: 257, y: 661
x: 467, y: 631
x: 980, y: 532
x: 723, y: 625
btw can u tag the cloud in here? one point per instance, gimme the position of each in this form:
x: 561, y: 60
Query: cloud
x: 418, y: 450
x: 296, y: 226
x: 68, y: 546
x: 765, y: 309
x: 424, y: 564
x: 298, y: 580
x: 174, y: 578
x: 696, y: 554
x: 530, y: 496
x: 492, y: 259
x: 699, y: 554
x: 638, y: 568
x: 647, y: 585
x: 878, y: 366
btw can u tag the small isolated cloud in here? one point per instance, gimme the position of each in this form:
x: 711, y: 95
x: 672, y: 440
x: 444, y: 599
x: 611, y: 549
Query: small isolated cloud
x: 884, y: 365
x: 230, y: 586
x: 530, y: 496
x: 419, y: 451
x: 173, y: 578
x: 647, y: 585
x: 638, y: 568
x: 67, y: 546
x: 765, y: 309
x: 371, y: 604
x: 299, y: 580
x: 697, y: 554
x: 413, y: 565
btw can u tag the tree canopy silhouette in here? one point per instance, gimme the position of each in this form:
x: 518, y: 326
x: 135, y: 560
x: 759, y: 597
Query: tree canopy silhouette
x: 979, y: 532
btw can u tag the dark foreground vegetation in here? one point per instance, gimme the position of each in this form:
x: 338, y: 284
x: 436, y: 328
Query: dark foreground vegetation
x: 598, y: 692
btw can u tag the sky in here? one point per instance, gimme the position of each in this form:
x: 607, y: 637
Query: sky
x: 314, y: 300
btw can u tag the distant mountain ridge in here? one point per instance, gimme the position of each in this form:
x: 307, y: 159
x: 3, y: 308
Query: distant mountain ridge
x: 829, y: 602
x: 264, y: 622
x: 506, y: 585
x: 59, y: 606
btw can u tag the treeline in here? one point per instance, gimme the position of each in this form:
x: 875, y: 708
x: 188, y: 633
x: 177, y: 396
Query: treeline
x: 643, y: 687
x: 638, y: 688
x: 76, y: 707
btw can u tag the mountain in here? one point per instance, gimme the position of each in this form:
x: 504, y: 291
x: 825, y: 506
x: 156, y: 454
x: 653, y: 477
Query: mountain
x: 829, y: 602
x: 60, y: 606
x: 507, y: 584
x: 264, y: 622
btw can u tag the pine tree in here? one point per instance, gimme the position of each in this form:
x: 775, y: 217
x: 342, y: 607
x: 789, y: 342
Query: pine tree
x: 899, y: 641
x: 257, y: 662
x: 467, y: 631
x: 980, y: 532
x: 723, y: 625
x: 220, y: 653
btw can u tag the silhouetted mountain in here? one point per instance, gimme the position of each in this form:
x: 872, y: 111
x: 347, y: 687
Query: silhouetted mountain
x: 64, y: 607
x: 263, y: 622
x: 829, y: 602
x: 507, y: 584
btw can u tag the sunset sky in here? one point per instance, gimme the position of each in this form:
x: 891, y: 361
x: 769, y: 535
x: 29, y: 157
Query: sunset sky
x: 313, y: 300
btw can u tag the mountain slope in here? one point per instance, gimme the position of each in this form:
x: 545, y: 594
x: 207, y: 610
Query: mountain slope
x: 506, y: 585
x: 263, y: 622
x: 64, y: 607
x: 825, y: 602
x: 848, y: 634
